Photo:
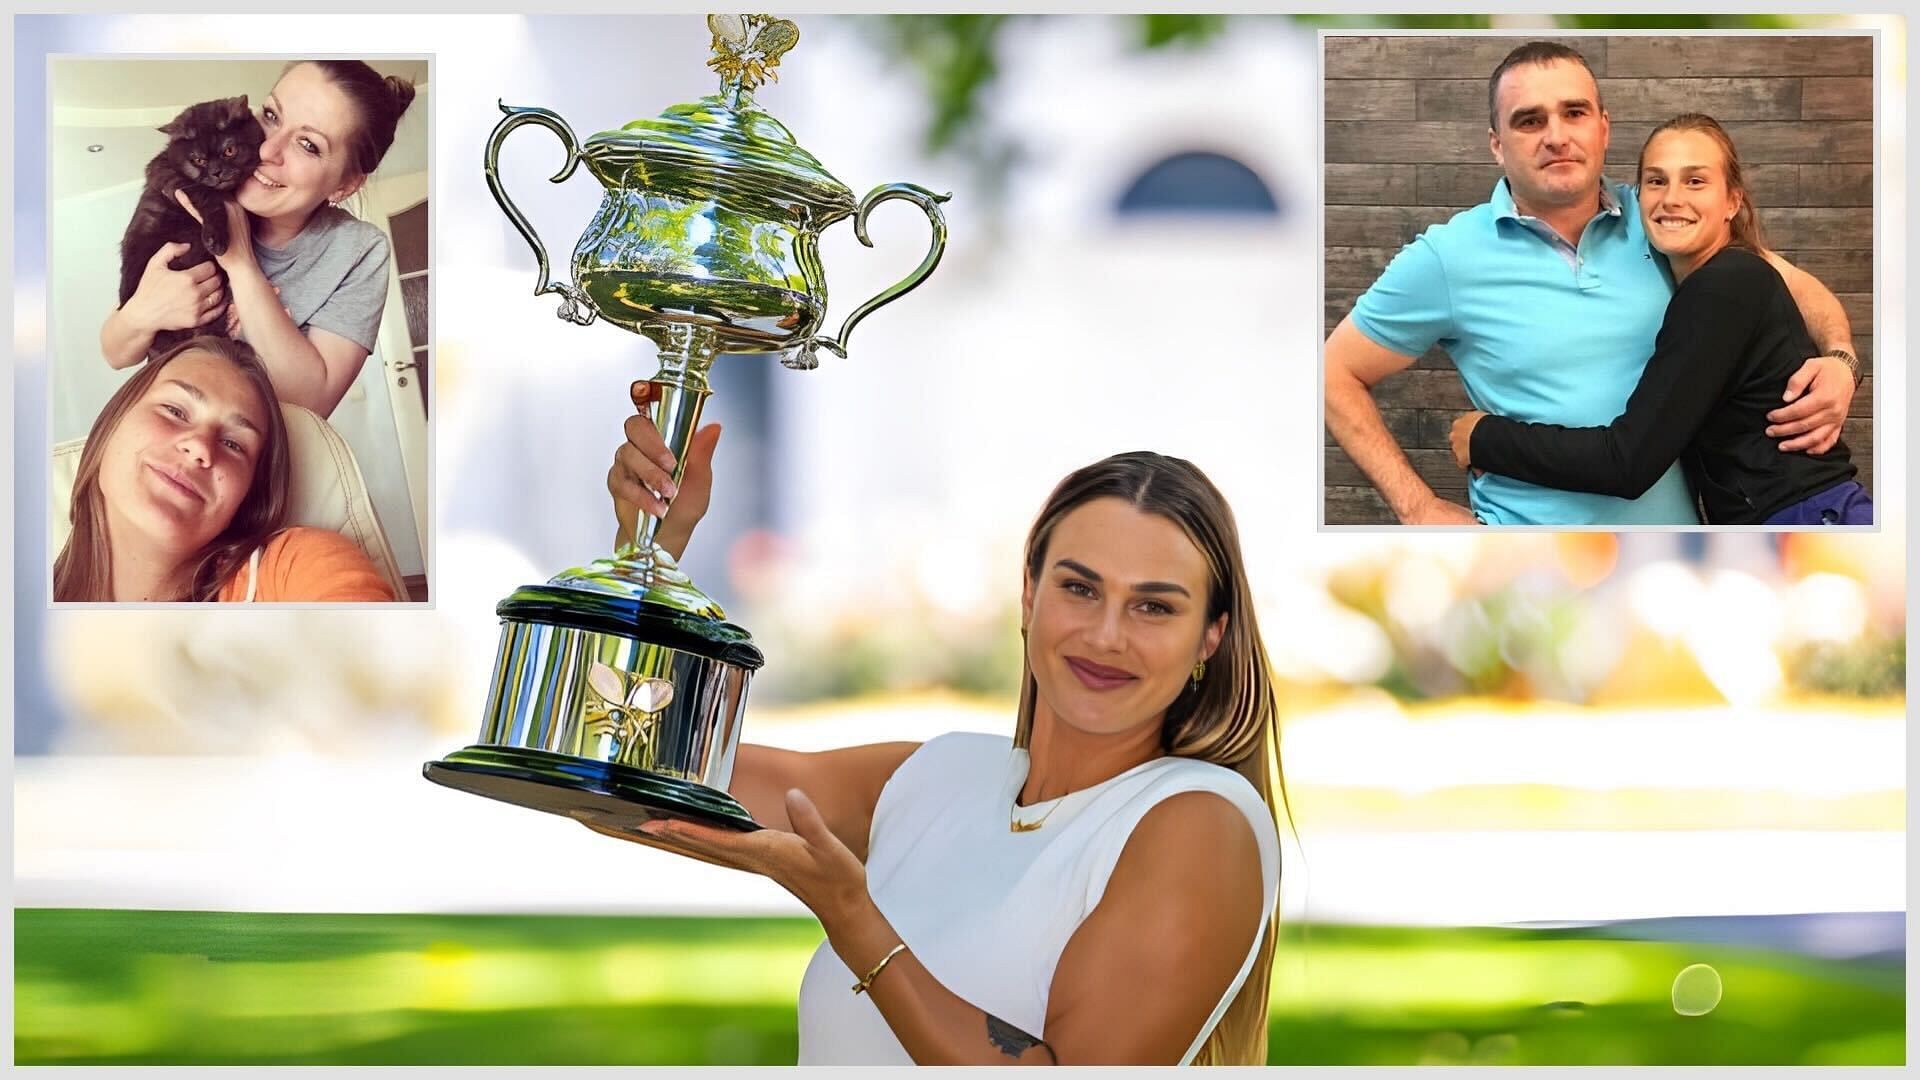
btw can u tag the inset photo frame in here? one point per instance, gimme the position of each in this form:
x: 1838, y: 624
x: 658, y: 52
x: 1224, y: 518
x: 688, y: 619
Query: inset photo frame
x: 1516, y: 335
x: 240, y: 255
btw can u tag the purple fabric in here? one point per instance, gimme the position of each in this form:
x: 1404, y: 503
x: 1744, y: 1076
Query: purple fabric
x: 1842, y: 504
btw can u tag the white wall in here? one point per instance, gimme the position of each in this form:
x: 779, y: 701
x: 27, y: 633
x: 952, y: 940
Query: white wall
x: 85, y: 277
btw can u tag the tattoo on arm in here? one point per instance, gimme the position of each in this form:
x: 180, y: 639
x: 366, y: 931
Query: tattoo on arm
x: 1010, y: 1040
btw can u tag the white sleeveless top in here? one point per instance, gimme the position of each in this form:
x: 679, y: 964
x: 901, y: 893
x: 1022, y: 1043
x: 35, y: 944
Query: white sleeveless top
x: 987, y: 910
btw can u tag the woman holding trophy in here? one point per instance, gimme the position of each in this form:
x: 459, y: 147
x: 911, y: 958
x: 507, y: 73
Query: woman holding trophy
x: 995, y: 901
x: 985, y: 900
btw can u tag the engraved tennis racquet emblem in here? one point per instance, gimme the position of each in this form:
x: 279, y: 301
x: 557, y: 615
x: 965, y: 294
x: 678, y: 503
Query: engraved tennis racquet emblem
x: 624, y: 714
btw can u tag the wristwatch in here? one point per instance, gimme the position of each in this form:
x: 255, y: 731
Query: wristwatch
x: 1847, y: 358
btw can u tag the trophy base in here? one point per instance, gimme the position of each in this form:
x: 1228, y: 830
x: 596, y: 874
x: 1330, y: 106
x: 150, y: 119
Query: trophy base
x: 601, y: 792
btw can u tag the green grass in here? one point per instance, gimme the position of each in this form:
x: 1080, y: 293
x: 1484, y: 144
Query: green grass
x: 122, y: 987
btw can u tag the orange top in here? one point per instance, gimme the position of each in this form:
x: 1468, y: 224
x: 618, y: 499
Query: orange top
x: 303, y: 565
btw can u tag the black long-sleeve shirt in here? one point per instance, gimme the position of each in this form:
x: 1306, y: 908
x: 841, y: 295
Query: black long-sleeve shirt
x: 1731, y: 339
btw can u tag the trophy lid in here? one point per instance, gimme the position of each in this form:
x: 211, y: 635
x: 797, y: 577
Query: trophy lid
x: 723, y: 136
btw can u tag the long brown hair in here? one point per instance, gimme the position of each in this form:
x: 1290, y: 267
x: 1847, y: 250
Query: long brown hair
x: 1745, y: 225
x: 84, y: 568
x: 1231, y: 717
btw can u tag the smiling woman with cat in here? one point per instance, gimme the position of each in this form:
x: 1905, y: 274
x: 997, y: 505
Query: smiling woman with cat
x: 301, y: 280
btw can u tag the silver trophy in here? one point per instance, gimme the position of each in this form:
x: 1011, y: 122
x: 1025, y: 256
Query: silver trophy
x: 619, y: 687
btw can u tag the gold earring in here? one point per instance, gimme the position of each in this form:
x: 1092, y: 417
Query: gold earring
x: 1199, y: 672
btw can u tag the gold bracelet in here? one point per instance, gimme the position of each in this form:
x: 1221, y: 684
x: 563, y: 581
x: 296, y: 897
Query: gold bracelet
x: 861, y: 986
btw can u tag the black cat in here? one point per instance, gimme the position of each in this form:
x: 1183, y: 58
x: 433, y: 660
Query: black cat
x: 211, y: 149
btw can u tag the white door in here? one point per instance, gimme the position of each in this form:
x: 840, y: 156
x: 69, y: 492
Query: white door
x: 405, y: 361
x: 398, y: 204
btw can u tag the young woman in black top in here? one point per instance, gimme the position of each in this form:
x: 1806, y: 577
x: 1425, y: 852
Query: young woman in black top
x: 1731, y: 339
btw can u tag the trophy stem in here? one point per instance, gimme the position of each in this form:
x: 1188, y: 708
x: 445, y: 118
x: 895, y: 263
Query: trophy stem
x: 642, y: 568
x: 687, y: 351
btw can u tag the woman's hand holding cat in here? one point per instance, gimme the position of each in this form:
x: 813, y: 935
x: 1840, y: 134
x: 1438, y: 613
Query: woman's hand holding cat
x: 239, y: 251
x: 170, y: 299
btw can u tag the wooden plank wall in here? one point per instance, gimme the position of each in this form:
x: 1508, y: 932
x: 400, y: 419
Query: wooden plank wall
x: 1406, y: 147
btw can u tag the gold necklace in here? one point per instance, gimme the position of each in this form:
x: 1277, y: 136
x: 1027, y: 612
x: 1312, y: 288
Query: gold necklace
x: 1014, y: 824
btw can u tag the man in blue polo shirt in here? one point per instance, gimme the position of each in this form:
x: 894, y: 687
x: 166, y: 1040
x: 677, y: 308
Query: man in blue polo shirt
x: 1548, y: 299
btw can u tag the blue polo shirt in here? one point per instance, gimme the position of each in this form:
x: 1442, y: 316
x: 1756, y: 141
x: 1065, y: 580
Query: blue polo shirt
x: 1540, y: 331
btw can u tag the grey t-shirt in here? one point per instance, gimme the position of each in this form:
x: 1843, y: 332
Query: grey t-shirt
x: 332, y: 276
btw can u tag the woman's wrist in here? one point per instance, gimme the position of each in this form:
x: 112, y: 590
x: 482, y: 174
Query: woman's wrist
x: 127, y: 334
x: 242, y: 269
x: 238, y: 259
x: 857, y: 929
x: 138, y: 318
x: 866, y: 981
x: 263, y: 321
x: 673, y: 539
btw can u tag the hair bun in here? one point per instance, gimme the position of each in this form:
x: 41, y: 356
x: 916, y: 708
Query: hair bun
x: 402, y: 92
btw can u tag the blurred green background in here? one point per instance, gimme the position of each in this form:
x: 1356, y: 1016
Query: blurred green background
x: 153, y: 987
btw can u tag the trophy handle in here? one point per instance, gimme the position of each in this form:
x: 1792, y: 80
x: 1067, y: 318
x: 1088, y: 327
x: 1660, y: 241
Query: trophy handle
x: 575, y: 307
x: 925, y: 200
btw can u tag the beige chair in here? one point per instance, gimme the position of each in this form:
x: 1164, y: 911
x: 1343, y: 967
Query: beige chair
x: 328, y: 491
